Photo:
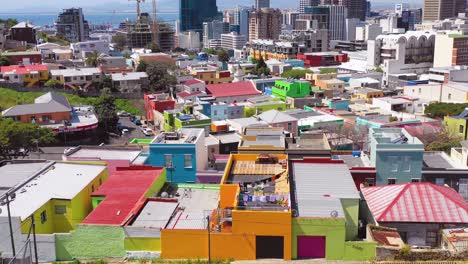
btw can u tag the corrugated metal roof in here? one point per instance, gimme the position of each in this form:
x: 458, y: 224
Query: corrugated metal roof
x: 47, y: 103
x: 155, y: 214
x: 416, y: 202
x: 320, y: 186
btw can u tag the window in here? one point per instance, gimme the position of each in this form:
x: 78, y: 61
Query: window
x: 92, y: 188
x: 419, y: 90
x: 60, y: 209
x: 369, y: 182
x: 450, y: 96
x: 391, y: 181
x: 188, y: 161
x: 461, y: 129
x: 100, y: 181
x: 463, y: 188
x: 46, y: 118
x: 168, y: 160
x: 215, y: 112
x: 406, y: 164
x: 415, y: 180
x: 440, y: 181
x: 43, y: 217
x: 393, y: 163
x: 289, y: 127
x: 431, y: 238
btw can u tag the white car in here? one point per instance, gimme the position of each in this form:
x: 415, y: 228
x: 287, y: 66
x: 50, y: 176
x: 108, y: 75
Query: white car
x: 148, y: 132
x: 125, y: 131
x: 123, y: 114
x: 143, y: 127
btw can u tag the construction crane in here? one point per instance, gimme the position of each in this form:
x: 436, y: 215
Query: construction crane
x: 155, y: 25
x: 138, y: 8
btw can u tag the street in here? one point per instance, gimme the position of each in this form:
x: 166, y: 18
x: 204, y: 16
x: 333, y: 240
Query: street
x: 134, y: 132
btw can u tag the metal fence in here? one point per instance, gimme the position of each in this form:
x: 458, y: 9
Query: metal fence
x: 24, y: 255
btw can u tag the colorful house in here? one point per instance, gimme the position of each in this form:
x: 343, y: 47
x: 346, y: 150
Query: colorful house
x: 259, y: 104
x: 433, y: 208
x: 367, y: 94
x: 294, y: 89
x: 182, y: 153
x: 176, y: 119
x: 222, y: 111
x: 159, y: 102
x: 28, y: 75
x: 396, y: 155
x: 458, y: 124
x: 279, y: 119
x: 325, y: 216
x: 211, y: 74
x: 337, y: 103
x: 232, y: 92
x: 121, y: 220
x: 24, y: 57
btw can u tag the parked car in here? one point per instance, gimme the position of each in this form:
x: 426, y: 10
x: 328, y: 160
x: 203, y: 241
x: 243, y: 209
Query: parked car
x: 125, y: 131
x: 143, y: 127
x: 148, y: 132
x: 123, y: 114
x: 137, y: 122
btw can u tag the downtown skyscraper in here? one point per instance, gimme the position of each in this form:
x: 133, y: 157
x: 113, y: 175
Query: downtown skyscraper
x: 194, y: 12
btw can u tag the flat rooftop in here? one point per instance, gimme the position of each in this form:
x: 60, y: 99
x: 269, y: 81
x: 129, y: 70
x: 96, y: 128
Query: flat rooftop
x: 103, y: 153
x: 310, y: 142
x: 16, y: 173
x: 61, y: 181
x: 263, y: 137
x: 155, y: 214
x: 183, y: 136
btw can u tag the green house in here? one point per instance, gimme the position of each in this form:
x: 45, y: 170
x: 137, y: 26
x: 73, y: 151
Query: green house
x: 175, y: 120
x: 294, y: 89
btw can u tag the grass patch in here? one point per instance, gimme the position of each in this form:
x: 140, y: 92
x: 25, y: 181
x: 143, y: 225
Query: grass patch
x: 9, y: 98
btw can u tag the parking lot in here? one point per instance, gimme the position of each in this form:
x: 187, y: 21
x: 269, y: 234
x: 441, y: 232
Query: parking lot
x: 134, y: 131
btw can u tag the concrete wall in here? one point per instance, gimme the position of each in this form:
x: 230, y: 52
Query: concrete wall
x: 415, y: 233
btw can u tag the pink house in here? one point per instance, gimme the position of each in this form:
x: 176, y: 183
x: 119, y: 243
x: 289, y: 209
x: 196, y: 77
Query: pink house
x: 276, y: 118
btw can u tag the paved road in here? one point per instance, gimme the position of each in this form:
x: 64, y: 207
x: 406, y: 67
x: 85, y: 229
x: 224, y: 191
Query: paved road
x: 134, y: 132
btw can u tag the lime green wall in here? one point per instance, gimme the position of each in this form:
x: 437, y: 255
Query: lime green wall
x: 76, y: 210
x: 252, y: 110
x: 97, y: 200
x: 333, y: 229
x: 90, y: 241
x: 453, y: 126
x: 351, y: 210
x: 157, y: 185
x: 142, y: 244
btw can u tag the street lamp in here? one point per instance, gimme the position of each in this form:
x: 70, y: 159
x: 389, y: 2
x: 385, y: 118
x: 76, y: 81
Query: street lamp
x: 8, y: 198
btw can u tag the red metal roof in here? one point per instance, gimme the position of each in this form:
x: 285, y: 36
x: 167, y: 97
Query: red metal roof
x: 23, y: 69
x: 232, y: 89
x: 125, y: 194
x: 193, y: 81
x: 416, y: 202
x: 187, y: 94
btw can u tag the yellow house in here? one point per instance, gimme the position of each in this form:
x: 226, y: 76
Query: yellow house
x: 58, y: 197
x: 367, y: 94
x: 29, y: 75
x: 211, y: 75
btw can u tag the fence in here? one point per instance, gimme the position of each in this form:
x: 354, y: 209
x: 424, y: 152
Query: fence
x: 23, y: 256
x: 20, y: 88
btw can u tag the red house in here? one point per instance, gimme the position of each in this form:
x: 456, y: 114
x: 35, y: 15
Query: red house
x: 24, y: 57
x: 159, y: 102
x: 316, y: 59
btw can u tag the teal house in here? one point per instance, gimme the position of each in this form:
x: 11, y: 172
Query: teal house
x: 396, y: 155
x: 294, y: 89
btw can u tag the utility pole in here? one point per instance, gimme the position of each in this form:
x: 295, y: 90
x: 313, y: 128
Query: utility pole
x: 33, y: 224
x: 8, y: 200
x: 209, y: 239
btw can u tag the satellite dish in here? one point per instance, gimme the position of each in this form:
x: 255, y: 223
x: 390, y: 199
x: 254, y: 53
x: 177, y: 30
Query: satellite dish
x: 334, y: 214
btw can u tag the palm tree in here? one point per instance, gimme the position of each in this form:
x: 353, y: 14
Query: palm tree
x: 93, y: 59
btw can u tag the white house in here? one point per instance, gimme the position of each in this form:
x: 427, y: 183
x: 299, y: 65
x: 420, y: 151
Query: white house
x: 82, y: 49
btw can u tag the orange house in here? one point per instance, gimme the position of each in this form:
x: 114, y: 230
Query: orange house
x: 253, y: 220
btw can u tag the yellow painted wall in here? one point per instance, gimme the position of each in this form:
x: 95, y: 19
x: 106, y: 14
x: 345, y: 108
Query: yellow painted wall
x: 184, y: 244
x: 142, y: 244
x: 76, y: 210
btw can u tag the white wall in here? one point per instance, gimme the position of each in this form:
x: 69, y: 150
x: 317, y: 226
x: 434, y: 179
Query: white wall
x: 443, y: 51
x: 202, y: 152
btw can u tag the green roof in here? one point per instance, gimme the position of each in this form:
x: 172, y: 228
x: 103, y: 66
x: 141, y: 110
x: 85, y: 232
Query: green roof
x: 457, y: 36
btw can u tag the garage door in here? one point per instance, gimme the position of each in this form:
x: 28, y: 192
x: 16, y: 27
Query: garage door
x: 269, y: 247
x: 310, y: 247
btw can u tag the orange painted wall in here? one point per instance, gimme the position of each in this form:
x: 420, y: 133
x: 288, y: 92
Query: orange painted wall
x: 184, y: 244
x: 233, y: 246
x: 228, y: 195
x: 58, y: 117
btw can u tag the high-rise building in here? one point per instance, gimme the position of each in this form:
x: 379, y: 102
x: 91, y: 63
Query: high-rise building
x: 442, y: 9
x: 194, y: 12
x: 306, y: 3
x: 232, y: 41
x: 241, y: 18
x: 356, y: 8
x: 72, y: 26
x: 259, y: 4
x: 166, y: 36
x: 265, y: 24
x: 337, y: 22
x: 213, y: 30
x: 451, y: 49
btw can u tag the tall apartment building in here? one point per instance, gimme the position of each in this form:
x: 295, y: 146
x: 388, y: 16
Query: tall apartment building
x: 72, y: 26
x: 356, y: 8
x: 306, y: 3
x: 265, y: 24
x: 166, y: 35
x: 213, y: 30
x: 232, y: 41
x: 194, y: 12
x: 241, y: 18
x: 259, y: 4
x: 442, y: 9
x: 451, y: 49
x: 337, y: 22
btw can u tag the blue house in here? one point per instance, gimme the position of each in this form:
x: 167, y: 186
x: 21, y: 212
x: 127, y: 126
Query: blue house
x: 182, y: 153
x: 396, y: 155
x: 222, y: 111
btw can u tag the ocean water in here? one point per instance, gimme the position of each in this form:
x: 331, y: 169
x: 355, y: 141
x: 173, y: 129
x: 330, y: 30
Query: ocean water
x: 95, y: 19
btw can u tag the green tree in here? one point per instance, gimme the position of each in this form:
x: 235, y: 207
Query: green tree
x: 440, y: 110
x: 93, y: 59
x: 210, y: 51
x: 379, y: 69
x: 142, y: 66
x: 15, y: 136
x: 153, y: 47
x: 159, y: 77
x: 261, y: 67
x: 328, y: 70
x: 52, y: 83
x: 120, y: 41
x: 105, y: 110
x: 4, y: 61
x: 127, y: 54
x: 223, y: 56
x: 9, y: 22
x: 295, y: 73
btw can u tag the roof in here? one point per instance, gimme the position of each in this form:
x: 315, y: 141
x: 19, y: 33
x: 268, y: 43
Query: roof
x: 61, y: 181
x: 186, y: 94
x: 275, y: 116
x: 155, y: 214
x: 437, y: 159
x: 232, y: 89
x: 103, y: 153
x: 128, y: 76
x: 15, y: 173
x: 416, y: 202
x: 193, y: 81
x: 75, y: 72
x: 319, y: 186
x: 23, y: 25
x: 21, y: 53
x: 23, y: 69
x: 458, y: 237
x: 385, y: 236
x: 48, y: 103
x: 125, y: 194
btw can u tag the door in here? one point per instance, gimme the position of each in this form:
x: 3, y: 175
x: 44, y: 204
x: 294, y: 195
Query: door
x: 270, y: 247
x: 310, y: 247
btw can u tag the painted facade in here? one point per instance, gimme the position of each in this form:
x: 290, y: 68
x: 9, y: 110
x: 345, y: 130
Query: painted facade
x: 297, y: 89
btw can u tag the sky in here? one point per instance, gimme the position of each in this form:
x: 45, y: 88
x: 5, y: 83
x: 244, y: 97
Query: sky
x: 32, y: 6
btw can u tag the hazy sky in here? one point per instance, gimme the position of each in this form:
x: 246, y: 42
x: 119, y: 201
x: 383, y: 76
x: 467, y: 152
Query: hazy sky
x: 109, y: 5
